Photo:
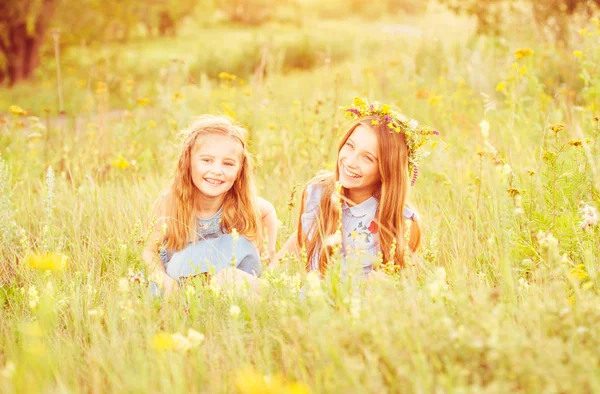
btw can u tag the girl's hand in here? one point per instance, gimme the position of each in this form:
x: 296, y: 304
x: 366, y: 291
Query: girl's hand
x: 164, y: 281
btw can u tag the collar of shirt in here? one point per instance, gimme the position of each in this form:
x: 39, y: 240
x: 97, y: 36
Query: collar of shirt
x: 362, y: 209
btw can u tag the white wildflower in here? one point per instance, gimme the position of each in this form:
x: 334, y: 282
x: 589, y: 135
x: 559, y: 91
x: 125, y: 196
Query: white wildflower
x: 195, y: 337
x: 413, y: 124
x: 589, y: 215
x: 485, y: 129
x: 234, y: 310
x: 181, y: 342
x: 9, y: 370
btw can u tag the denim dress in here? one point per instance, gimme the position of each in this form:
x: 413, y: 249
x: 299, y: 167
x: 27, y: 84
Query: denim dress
x: 360, y: 239
x: 213, y: 251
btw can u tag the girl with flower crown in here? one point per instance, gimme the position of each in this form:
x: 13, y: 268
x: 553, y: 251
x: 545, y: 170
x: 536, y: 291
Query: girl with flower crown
x: 209, y: 220
x: 376, y: 162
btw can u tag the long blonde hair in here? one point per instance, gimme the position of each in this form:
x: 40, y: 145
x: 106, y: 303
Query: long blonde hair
x: 177, y: 203
x: 391, y: 196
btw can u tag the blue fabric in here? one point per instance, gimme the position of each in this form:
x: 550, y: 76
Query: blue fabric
x: 360, y: 232
x: 213, y: 251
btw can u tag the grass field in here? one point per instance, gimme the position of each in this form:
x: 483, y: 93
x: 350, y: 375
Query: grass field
x: 507, y: 299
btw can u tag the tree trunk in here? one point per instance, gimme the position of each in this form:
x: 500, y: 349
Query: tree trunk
x: 22, y: 48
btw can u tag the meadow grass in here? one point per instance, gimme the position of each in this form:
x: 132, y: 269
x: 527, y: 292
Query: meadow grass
x: 506, y: 295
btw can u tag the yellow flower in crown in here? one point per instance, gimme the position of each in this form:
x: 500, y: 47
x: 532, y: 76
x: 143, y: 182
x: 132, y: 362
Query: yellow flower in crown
x: 416, y: 135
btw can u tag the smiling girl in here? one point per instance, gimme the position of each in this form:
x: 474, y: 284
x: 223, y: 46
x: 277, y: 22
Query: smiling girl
x: 377, y: 160
x: 209, y: 220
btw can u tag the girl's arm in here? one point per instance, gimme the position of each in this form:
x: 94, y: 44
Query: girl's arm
x: 269, y: 223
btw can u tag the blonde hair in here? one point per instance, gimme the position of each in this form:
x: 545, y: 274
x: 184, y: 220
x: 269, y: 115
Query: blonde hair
x: 392, y: 197
x: 177, y: 203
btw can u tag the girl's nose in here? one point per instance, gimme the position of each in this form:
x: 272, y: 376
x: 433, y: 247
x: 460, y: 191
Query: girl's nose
x: 352, y: 160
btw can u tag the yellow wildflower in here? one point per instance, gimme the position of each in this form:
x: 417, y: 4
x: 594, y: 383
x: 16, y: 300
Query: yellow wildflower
x: 162, y: 341
x: 152, y: 124
x: 579, y: 272
x: 577, y: 53
x: 177, y: 96
x: 248, y: 381
x: 46, y: 261
x: 120, y: 163
x: 513, y: 192
x: 576, y: 143
x: 434, y: 99
x: 226, y: 76
x: 375, y: 122
x: 15, y: 109
x: 556, y: 128
x: 523, y: 52
x: 501, y: 86
x: 143, y: 101
x: 523, y: 70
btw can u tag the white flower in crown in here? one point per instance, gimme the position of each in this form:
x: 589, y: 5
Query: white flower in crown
x: 413, y: 124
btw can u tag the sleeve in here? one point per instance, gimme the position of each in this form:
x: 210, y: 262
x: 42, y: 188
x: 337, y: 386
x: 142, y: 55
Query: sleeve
x: 410, y: 214
x: 311, y: 208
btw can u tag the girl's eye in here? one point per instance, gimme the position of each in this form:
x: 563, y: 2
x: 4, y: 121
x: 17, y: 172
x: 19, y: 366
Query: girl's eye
x: 369, y: 159
x: 206, y: 160
x: 229, y: 164
x: 349, y: 144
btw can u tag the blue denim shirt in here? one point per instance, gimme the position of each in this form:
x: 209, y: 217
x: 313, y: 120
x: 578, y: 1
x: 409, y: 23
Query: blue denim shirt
x: 213, y: 251
x: 359, y: 229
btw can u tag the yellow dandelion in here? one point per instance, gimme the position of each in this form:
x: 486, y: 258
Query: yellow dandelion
x: 577, y: 53
x: 556, y: 128
x: 226, y: 76
x: 434, y: 99
x: 46, y: 261
x: 501, y: 86
x: 16, y: 110
x: 162, y: 341
x: 177, y: 96
x: 583, y: 32
x: 523, y: 70
x: 523, y: 52
x: 143, y: 101
x: 120, y: 163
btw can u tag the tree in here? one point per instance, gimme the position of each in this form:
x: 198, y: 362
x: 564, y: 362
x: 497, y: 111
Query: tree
x: 23, y: 24
x: 491, y: 13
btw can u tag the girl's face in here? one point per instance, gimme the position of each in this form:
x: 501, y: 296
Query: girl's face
x: 215, y: 164
x: 358, y: 162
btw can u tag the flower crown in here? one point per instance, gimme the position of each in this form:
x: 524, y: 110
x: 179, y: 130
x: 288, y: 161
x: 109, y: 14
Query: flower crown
x: 415, y: 135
